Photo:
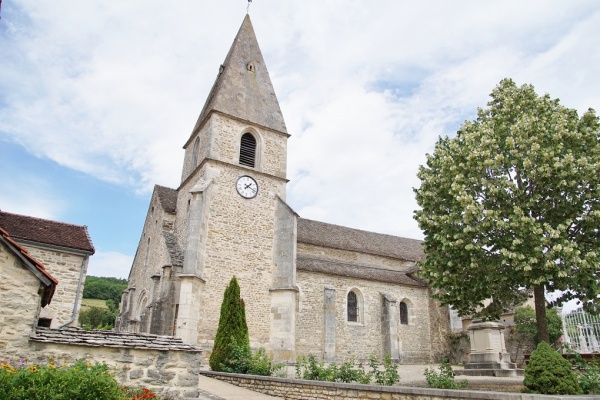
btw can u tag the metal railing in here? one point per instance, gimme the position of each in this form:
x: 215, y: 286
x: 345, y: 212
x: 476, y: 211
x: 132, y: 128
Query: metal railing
x: 581, y: 331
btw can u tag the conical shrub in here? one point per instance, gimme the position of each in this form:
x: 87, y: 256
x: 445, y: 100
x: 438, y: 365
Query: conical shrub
x: 549, y: 373
x: 232, y: 340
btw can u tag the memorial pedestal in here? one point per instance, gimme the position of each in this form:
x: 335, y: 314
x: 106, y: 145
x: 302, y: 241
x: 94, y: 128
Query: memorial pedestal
x: 488, y: 356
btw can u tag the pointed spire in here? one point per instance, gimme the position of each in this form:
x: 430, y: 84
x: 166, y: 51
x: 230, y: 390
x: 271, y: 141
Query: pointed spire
x: 243, y: 88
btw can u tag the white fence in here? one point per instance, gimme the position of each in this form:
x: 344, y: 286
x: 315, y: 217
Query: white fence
x: 582, y: 331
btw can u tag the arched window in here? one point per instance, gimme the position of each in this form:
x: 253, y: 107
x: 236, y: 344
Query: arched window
x: 352, y: 307
x: 403, y: 313
x: 195, y: 154
x: 248, y: 150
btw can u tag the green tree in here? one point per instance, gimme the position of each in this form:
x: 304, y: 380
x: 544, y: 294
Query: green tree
x: 511, y: 204
x: 232, y: 341
x: 526, y: 325
x: 104, y: 288
x: 98, y: 318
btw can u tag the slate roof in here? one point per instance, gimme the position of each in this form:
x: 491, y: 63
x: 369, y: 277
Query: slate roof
x: 340, y: 237
x: 167, y: 198
x: 241, y: 92
x: 22, y: 227
x: 48, y: 281
x: 356, y: 271
x: 175, y: 253
x: 98, y: 338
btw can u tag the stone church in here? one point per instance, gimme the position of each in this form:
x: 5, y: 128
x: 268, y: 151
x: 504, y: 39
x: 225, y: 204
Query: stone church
x: 309, y: 287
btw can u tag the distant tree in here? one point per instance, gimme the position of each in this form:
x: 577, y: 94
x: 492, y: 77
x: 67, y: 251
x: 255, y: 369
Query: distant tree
x: 526, y: 325
x: 511, y: 204
x: 98, y: 318
x: 104, y: 288
x: 232, y: 333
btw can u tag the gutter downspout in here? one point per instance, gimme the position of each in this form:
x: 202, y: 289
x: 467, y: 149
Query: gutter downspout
x: 81, y: 277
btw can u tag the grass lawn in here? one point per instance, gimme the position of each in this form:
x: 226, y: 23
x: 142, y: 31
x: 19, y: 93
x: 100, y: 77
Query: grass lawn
x: 88, y: 303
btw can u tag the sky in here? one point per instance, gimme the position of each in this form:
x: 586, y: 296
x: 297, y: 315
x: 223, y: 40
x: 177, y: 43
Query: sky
x: 98, y: 98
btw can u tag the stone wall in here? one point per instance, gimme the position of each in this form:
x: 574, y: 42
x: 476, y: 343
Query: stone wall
x: 363, y: 338
x: 296, y: 389
x: 152, y: 289
x: 66, y: 267
x: 163, y: 364
x: 19, y: 302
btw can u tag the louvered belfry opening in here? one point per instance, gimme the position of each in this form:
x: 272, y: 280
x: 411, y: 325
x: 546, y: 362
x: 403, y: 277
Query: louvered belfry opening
x: 248, y: 150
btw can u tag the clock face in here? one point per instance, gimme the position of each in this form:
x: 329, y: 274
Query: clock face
x: 247, y: 187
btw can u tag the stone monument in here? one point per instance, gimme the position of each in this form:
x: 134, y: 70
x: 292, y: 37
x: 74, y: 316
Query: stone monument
x: 488, y: 355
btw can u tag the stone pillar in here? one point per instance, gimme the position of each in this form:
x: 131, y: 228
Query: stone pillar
x: 488, y: 356
x: 188, y: 315
x: 190, y: 262
x: 283, y: 324
x: 283, y: 287
x: 389, y: 327
x: 329, y: 322
x: 155, y: 288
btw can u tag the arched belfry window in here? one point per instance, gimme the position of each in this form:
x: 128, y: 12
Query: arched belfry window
x: 248, y: 150
x: 403, y: 313
x: 352, y: 307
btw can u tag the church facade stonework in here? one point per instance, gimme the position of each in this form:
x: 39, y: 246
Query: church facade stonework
x: 309, y: 287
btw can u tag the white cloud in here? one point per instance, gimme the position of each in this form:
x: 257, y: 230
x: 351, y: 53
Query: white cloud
x: 113, y: 88
x: 110, y: 263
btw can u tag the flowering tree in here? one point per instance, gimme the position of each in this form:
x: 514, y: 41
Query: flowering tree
x: 511, y: 205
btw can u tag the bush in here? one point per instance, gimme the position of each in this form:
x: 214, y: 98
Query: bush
x: 242, y: 361
x: 81, y: 381
x: 310, y: 369
x: 232, y: 343
x: 549, y: 373
x: 459, y: 346
x: 444, y: 379
x: 588, y: 371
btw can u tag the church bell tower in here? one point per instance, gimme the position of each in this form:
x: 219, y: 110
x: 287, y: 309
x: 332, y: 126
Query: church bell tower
x: 232, y: 218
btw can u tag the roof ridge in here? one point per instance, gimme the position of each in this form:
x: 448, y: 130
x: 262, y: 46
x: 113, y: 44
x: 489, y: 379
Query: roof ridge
x: 360, y: 230
x: 46, y: 219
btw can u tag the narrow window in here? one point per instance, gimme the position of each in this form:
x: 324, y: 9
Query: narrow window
x: 147, y: 253
x: 248, y: 150
x: 352, y: 307
x: 403, y: 313
x: 44, y: 322
x: 195, y: 154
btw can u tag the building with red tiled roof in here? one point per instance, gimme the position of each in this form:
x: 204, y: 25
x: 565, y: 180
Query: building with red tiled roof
x: 25, y: 287
x: 61, y: 251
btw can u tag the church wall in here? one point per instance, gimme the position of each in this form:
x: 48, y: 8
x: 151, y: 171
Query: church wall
x: 148, y: 261
x: 360, y: 339
x: 272, y: 146
x: 202, y: 149
x: 66, y: 268
x: 19, y: 302
x: 240, y: 238
x: 353, y: 257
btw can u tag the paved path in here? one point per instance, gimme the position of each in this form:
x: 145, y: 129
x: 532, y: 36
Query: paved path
x: 410, y: 375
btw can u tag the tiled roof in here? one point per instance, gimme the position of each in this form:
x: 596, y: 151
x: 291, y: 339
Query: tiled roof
x: 175, y: 252
x: 97, y: 338
x: 340, y: 237
x: 355, y: 271
x: 46, y: 231
x: 33, y: 265
x: 167, y: 198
